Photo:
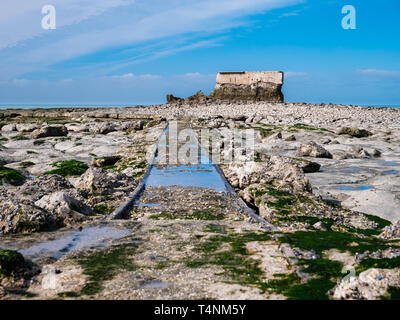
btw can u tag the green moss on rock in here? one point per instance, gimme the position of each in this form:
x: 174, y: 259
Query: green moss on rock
x: 11, y: 176
x: 10, y: 262
x: 69, y: 168
x: 103, y: 265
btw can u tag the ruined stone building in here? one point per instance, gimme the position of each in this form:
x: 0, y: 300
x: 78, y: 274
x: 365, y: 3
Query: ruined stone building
x: 258, y: 86
x: 241, y: 86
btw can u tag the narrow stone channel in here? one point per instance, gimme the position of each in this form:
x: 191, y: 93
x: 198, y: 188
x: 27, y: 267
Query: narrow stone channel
x: 178, y: 188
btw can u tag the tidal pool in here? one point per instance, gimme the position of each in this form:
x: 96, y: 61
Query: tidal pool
x: 56, y: 247
x: 389, y: 163
x: 202, y: 174
x: 390, y: 172
x: 355, y: 188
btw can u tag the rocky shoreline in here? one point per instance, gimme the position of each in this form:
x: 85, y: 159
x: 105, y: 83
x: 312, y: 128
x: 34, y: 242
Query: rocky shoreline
x: 326, y: 176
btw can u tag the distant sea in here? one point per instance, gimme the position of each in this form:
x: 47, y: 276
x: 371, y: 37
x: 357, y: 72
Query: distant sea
x: 50, y: 106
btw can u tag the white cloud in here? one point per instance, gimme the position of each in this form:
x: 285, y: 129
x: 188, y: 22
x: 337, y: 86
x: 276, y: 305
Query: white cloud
x: 380, y: 73
x: 132, y: 76
x: 123, y: 76
x: 192, y: 74
x: 289, y: 14
x: 290, y: 74
x: 89, y: 26
x: 21, y: 19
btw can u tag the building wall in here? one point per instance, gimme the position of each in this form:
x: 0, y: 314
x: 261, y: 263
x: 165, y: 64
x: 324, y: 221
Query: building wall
x: 248, y: 78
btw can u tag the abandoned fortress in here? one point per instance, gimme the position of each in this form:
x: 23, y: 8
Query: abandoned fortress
x: 242, y: 86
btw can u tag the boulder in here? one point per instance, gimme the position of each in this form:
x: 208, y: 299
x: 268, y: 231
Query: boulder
x: 105, y: 161
x: 35, y: 189
x: 320, y: 226
x: 313, y: 150
x: 97, y: 180
x: 172, y: 99
x: 103, y: 127
x: 62, y: 203
x: 50, y: 131
x: 291, y: 138
x: 13, y: 264
x: 308, y: 166
x: 77, y: 127
x: 135, y: 125
x: 9, y: 127
x: 354, y: 132
x: 27, y: 127
x: 391, y: 232
x: 370, y: 285
x: 277, y: 170
x: 23, y: 216
x: 198, y: 97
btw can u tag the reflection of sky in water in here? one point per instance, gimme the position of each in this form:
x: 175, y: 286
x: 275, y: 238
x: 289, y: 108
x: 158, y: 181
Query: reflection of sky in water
x: 386, y: 173
x: 354, y: 188
x: 389, y: 163
x: 78, y: 240
x: 202, y: 175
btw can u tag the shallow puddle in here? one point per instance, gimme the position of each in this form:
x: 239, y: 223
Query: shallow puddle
x: 355, y: 188
x: 390, y: 172
x: 202, y: 174
x: 61, y: 243
x: 389, y: 163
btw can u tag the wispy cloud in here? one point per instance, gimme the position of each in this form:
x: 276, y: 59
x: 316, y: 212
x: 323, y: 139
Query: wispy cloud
x: 290, y: 74
x: 128, y: 76
x: 379, y: 73
x: 21, y: 19
x: 90, y: 26
x: 289, y: 14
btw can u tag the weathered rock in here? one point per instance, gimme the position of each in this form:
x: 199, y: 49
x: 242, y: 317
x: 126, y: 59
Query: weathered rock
x: 355, y: 149
x: 13, y: 265
x: 279, y: 170
x: 198, y: 97
x: 391, y: 232
x: 21, y: 216
x: 105, y: 161
x: 95, y: 179
x: 376, y: 153
x: 26, y: 127
x: 103, y: 127
x: 50, y: 131
x: 308, y: 166
x: 35, y: 189
x: 354, y: 132
x: 172, y: 99
x: 364, y: 153
x: 9, y: 127
x: 5, y: 160
x: 319, y: 226
x: 135, y: 125
x: 314, y: 150
x: 370, y: 285
x: 75, y: 127
x: 291, y: 138
x: 62, y: 203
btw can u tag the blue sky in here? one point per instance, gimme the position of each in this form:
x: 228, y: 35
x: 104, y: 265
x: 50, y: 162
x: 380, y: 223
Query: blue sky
x: 136, y: 51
